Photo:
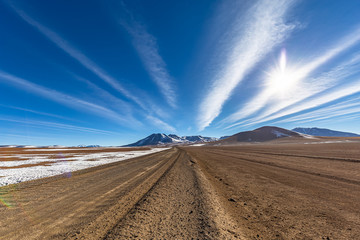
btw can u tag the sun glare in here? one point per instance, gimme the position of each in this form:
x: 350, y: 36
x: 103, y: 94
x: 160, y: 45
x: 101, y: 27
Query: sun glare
x: 282, y: 79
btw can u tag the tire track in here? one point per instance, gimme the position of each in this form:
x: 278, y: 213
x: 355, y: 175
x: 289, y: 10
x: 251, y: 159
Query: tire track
x: 271, y: 164
x: 82, y: 206
x: 301, y: 156
x: 269, y: 202
x: 107, y: 221
x: 176, y: 207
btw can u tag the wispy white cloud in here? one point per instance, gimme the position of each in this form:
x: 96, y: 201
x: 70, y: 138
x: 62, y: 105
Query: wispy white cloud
x: 106, y: 97
x: 313, y: 92
x: 161, y: 124
x: 329, y: 96
x: 338, y: 116
x: 148, y: 51
x: 342, y: 108
x: 55, y: 125
x: 36, y: 112
x: 265, y: 27
x: 123, y: 106
x: 82, y: 105
x: 66, y: 100
x: 23, y: 136
x: 76, y: 54
x: 306, y: 86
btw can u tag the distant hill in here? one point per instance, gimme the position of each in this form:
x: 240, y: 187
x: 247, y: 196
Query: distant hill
x: 88, y: 146
x: 171, y: 139
x: 17, y: 146
x: 323, y: 132
x: 262, y: 134
x: 223, y: 137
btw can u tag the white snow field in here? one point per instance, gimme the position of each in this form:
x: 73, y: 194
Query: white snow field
x: 16, y: 171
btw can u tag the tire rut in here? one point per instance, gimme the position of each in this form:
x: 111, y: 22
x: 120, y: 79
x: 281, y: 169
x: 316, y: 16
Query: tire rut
x: 302, y: 156
x: 108, y: 220
x: 289, y: 168
x: 174, y: 208
x: 84, y: 206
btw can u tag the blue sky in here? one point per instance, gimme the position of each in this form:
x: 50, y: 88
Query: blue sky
x: 111, y: 72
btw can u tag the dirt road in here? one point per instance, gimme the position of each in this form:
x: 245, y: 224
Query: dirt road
x: 155, y: 196
x: 248, y: 192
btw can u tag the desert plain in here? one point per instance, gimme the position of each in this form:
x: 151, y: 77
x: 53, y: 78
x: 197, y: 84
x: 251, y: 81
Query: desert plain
x: 306, y: 189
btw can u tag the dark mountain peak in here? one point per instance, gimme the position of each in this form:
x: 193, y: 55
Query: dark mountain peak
x: 153, y: 139
x: 262, y: 134
x: 191, y: 138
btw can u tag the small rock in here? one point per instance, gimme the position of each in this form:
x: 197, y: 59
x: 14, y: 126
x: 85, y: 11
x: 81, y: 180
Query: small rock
x: 231, y: 200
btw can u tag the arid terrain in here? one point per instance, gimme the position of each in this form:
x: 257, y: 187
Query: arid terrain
x: 26, y: 164
x: 274, y: 190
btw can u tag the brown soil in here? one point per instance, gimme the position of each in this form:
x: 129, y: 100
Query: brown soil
x: 50, y: 156
x: 288, y: 191
x: 9, y: 159
x: 269, y: 191
x: 46, y: 163
x: 177, y: 207
x: 9, y: 152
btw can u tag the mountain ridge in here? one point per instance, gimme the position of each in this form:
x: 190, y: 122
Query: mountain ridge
x: 156, y: 139
x: 262, y: 134
x: 324, y: 132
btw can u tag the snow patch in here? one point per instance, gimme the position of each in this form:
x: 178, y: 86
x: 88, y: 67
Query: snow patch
x: 62, y: 165
x: 307, y: 136
x: 60, y: 149
x: 279, y: 134
x: 339, y: 141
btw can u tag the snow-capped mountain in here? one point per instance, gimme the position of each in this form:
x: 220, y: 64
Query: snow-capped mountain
x: 199, y: 139
x: 88, y: 146
x: 174, y: 137
x: 17, y: 146
x: 323, y: 132
x: 223, y: 137
x: 164, y: 139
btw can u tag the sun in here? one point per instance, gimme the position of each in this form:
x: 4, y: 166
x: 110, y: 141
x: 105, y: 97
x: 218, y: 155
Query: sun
x: 283, y: 78
x: 282, y: 81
